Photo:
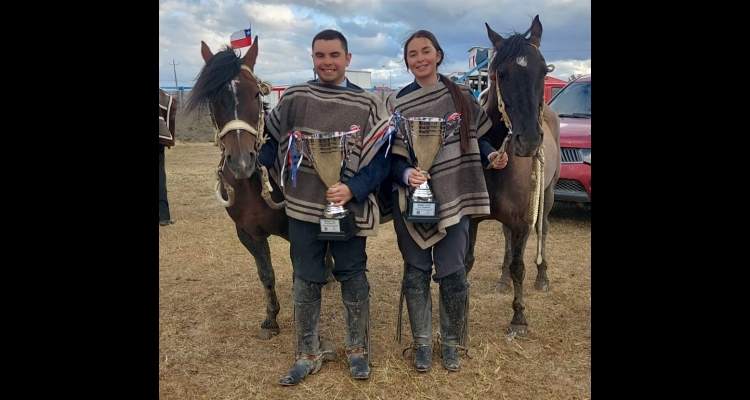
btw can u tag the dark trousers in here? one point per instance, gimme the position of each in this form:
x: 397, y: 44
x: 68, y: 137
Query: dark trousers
x: 447, y: 255
x: 163, y: 203
x: 309, y: 254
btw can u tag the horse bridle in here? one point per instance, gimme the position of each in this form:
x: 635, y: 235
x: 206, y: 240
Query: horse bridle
x: 260, y: 138
x: 238, y: 124
x: 501, y: 104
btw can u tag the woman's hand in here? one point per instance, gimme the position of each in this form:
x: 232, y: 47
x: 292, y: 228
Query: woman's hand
x: 500, y: 163
x: 416, y: 177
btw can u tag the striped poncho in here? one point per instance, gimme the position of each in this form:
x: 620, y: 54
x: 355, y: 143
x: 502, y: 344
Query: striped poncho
x: 313, y: 108
x: 457, y: 181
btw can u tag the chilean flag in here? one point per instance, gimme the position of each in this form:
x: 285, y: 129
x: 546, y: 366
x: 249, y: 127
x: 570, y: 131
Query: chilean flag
x: 241, y: 39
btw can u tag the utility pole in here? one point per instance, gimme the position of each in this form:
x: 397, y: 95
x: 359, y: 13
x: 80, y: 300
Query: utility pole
x: 390, y: 77
x: 175, y: 73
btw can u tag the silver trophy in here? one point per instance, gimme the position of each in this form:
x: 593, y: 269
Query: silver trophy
x: 424, y: 137
x: 326, y: 152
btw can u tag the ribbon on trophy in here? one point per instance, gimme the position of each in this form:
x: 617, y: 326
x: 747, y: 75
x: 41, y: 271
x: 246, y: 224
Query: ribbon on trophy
x: 387, y: 133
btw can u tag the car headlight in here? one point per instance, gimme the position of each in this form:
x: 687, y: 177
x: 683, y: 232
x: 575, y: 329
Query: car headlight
x: 586, y: 155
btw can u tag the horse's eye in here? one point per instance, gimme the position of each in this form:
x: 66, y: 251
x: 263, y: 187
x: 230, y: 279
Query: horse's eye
x: 501, y: 76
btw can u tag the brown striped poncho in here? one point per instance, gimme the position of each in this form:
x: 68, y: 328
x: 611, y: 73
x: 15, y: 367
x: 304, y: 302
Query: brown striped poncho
x: 313, y: 108
x: 456, y: 180
x: 167, y: 115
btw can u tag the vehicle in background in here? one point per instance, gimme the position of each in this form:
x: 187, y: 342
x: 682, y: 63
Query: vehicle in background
x: 573, y: 105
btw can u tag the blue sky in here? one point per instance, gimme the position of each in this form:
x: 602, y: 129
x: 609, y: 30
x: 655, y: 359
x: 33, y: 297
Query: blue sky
x: 375, y: 30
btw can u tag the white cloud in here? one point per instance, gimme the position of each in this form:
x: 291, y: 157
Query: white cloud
x: 374, y: 29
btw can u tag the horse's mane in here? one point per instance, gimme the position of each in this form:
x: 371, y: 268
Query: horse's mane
x: 210, y: 85
x: 514, y: 46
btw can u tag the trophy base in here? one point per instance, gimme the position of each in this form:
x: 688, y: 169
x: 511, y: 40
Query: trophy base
x: 424, y: 212
x: 343, y: 228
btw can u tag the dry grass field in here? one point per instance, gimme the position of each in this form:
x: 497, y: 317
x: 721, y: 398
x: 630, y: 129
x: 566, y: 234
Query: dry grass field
x: 211, y: 305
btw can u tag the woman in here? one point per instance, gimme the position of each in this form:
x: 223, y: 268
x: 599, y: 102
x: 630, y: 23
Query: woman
x: 457, y: 181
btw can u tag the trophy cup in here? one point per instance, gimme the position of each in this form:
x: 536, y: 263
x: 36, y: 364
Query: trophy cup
x: 326, y: 153
x: 424, y: 137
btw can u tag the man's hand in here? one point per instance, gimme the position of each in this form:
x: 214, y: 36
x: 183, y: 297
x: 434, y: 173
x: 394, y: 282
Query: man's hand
x: 339, y: 194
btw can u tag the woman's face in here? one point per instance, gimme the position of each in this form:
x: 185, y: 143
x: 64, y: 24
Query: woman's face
x: 422, y: 59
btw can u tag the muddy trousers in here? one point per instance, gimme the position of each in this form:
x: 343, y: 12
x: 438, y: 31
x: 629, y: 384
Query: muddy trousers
x: 453, y: 299
x: 454, y: 290
x: 416, y: 285
x: 355, y: 293
x: 306, y: 316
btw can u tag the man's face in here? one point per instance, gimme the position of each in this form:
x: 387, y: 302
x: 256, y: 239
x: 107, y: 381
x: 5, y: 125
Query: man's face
x: 330, y: 61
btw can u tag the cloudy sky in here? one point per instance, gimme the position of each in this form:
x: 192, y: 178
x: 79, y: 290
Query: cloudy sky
x: 375, y: 30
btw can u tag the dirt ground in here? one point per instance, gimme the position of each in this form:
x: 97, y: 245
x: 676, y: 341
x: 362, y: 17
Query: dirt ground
x: 194, y: 128
x: 211, y: 305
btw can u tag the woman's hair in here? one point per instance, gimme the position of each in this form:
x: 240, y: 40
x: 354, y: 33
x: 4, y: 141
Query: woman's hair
x: 453, y: 88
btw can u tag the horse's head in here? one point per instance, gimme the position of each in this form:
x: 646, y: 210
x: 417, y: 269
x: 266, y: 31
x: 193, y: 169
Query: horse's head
x: 517, y: 72
x: 231, y: 91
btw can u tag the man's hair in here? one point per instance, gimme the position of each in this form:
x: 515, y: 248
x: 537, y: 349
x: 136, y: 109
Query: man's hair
x: 331, y: 34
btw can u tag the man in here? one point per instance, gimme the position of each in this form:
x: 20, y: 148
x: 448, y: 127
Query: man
x: 328, y: 104
x: 167, y: 114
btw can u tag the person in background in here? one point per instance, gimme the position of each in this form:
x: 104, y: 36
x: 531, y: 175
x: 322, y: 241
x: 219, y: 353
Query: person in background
x: 167, y: 116
x: 459, y: 189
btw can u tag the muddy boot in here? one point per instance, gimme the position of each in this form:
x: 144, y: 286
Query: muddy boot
x: 453, y: 291
x: 419, y: 304
x: 306, y: 315
x: 355, y: 293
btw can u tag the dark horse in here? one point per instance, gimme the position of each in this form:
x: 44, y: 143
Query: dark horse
x: 522, y: 193
x: 228, y: 88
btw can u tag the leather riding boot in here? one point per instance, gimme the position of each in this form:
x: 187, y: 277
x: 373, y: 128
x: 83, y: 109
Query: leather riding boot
x: 419, y: 304
x: 355, y: 294
x: 306, y: 316
x: 453, y: 298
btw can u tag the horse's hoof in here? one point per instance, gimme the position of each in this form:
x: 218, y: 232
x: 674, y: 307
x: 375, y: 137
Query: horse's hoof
x: 519, y: 330
x: 329, y: 352
x: 268, y: 333
x: 541, y: 286
x: 503, y: 287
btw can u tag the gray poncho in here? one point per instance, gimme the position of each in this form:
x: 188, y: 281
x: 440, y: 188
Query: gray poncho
x: 312, y: 108
x: 456, y: 180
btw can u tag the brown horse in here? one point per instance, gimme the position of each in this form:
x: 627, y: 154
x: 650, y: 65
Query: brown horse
x: 521, y: 194
x: 228, y: 88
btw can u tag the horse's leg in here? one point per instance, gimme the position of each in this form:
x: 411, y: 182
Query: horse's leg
x: 504, y: 284
x: 262, y: 254
x: 542, y: 282
x: 329, y: 270
x: 517, y: 267
x: 469, y: 259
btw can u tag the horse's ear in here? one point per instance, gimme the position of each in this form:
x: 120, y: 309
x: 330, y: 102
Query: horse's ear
x: 252, y: 54
x: 536, y: 32
x: 205, y: 51
x: 495, y: 38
